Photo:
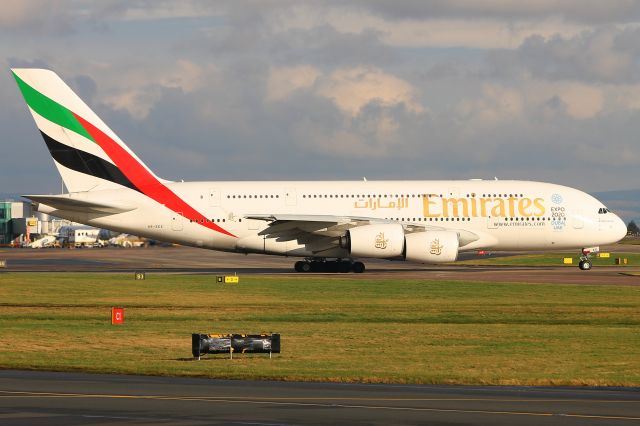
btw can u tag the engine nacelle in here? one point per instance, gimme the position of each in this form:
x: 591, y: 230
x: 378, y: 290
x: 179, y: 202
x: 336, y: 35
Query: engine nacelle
x: 432, y: 246
x: 383, y: 241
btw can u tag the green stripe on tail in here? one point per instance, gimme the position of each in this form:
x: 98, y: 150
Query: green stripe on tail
x: 50, y: 109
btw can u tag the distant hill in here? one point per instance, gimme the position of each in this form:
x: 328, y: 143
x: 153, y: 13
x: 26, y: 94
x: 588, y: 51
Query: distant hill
x: 624, y: 203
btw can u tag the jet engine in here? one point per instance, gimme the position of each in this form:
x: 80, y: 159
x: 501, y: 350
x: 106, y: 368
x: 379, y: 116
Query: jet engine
x: 382, y: 241
x: 431, y: 246
x: 388, y: 241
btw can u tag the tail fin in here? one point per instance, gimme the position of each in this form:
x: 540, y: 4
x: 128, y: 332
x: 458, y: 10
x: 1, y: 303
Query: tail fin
x: 88, y: 154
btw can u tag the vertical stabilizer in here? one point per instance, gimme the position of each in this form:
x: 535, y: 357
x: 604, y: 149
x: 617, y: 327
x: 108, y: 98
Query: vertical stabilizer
x: 87, y: 153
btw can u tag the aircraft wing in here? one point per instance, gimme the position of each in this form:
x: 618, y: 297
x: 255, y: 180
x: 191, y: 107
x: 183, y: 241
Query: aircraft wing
x: 324, y: 229
x: 63, y: 202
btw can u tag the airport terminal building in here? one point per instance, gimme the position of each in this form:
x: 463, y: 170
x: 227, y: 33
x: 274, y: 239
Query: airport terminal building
x: 22, y: 226
x: 19, y: 223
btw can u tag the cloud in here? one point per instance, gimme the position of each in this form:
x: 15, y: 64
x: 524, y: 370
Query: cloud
x: 138, y: 90
x: 161, y: 9
x: 371, y: 103
x: 606, y: 54
x: 353, y: 88
x: 36, y: 17
x: 501, y: 103
x: 340, y: 90
x: 424, y: 30
x: 285, y: 80
x: 582, y: 11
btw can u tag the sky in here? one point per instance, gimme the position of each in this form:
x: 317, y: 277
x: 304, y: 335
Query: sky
x: 333, y: 90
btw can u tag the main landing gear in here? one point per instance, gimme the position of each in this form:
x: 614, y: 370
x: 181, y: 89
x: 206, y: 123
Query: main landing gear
x: 585, y: 260
x: 323, y: 265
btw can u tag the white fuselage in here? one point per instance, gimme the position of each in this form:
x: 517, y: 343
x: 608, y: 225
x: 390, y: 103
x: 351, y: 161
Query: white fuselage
x: 505, y: 215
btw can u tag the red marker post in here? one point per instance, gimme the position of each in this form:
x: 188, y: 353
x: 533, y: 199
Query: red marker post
x: 117, y: 316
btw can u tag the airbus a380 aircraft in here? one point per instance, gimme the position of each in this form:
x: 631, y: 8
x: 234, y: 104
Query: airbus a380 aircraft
x: 420, y: 221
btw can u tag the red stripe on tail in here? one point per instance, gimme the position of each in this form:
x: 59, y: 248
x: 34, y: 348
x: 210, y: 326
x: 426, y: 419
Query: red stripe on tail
x: 144, y: 180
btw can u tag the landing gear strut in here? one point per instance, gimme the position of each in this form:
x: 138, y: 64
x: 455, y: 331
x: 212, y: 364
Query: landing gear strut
x: 585, y: 260
x: 323, y: 265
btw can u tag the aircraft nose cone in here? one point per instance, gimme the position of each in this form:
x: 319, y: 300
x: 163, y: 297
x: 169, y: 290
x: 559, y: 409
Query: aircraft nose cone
x: 620, y: 229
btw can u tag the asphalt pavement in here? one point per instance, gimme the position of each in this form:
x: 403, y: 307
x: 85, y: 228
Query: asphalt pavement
x: 198, y: 261
x: 49, y: 398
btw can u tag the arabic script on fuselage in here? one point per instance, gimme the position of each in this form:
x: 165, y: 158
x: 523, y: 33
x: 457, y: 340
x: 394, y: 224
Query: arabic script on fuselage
x: 374, y: 203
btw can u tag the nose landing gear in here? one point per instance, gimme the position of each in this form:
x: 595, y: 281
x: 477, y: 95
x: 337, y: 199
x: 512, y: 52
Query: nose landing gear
x: 585, y: 263
x: 323, y: 265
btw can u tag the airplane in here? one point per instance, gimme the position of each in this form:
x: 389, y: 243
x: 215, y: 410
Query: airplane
x: 328, y: 224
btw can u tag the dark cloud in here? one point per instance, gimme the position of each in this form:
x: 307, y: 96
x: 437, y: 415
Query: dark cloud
x: 581, y: 11
x: 606, y: 54
x: 27, y: 63
x: 84, y: 86
x: 324, y: 46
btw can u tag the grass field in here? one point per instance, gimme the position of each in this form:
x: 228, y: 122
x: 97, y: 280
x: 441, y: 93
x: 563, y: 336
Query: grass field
x: 333, y: 329
x: 630, y: 241
x: 552, y: 259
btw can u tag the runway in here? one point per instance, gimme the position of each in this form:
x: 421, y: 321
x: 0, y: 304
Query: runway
x: 31, y: 398
x: 192, y: 260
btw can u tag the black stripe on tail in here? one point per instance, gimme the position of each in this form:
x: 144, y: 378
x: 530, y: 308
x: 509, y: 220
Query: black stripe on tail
x: 86, y: 163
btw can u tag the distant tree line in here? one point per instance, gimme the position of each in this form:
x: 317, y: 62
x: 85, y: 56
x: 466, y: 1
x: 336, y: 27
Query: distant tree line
x: 632, y: 228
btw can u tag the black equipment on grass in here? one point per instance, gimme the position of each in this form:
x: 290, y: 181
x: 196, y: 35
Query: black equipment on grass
x: 224, y: 343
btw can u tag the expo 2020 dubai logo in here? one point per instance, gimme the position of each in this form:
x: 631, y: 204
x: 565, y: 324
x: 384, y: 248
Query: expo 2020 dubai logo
x: 556, y: 198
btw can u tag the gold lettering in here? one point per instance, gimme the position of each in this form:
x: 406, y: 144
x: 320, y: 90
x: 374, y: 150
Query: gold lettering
x: 454, y: 203
x: 512, y: 208
x: 498, y: 209
x: 426, y: 203
x: 474, y: 207
x: 523, y: 207
x: 538, y: 203
x: 483, y: 206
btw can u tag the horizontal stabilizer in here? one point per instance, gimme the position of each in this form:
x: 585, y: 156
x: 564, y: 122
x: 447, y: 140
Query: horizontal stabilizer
x: 65, y: 202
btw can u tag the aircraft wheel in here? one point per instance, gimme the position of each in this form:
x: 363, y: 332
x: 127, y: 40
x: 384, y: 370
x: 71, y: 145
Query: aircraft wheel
x: 306, y: 267
x: 315, y: 266
x: 344, y: 266
x: 330, y: 266
x: 298, y: 266
x: 585, y: 265
x: 357, y: 267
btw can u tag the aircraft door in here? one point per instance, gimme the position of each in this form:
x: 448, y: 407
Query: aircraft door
x: 176, y: 221
x: 578, y: 220
x: 214, y: 197
x: 492, y: 222
x: 290, y: 196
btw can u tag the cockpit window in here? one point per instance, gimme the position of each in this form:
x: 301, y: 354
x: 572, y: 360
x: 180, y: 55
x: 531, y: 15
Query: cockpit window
x: 603, y: 210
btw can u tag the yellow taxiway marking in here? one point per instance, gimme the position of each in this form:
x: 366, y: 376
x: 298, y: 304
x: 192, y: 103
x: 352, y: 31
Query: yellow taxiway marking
x: 292, y: 401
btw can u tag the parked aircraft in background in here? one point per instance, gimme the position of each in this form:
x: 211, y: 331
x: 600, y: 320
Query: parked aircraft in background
x: 419, y: 221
